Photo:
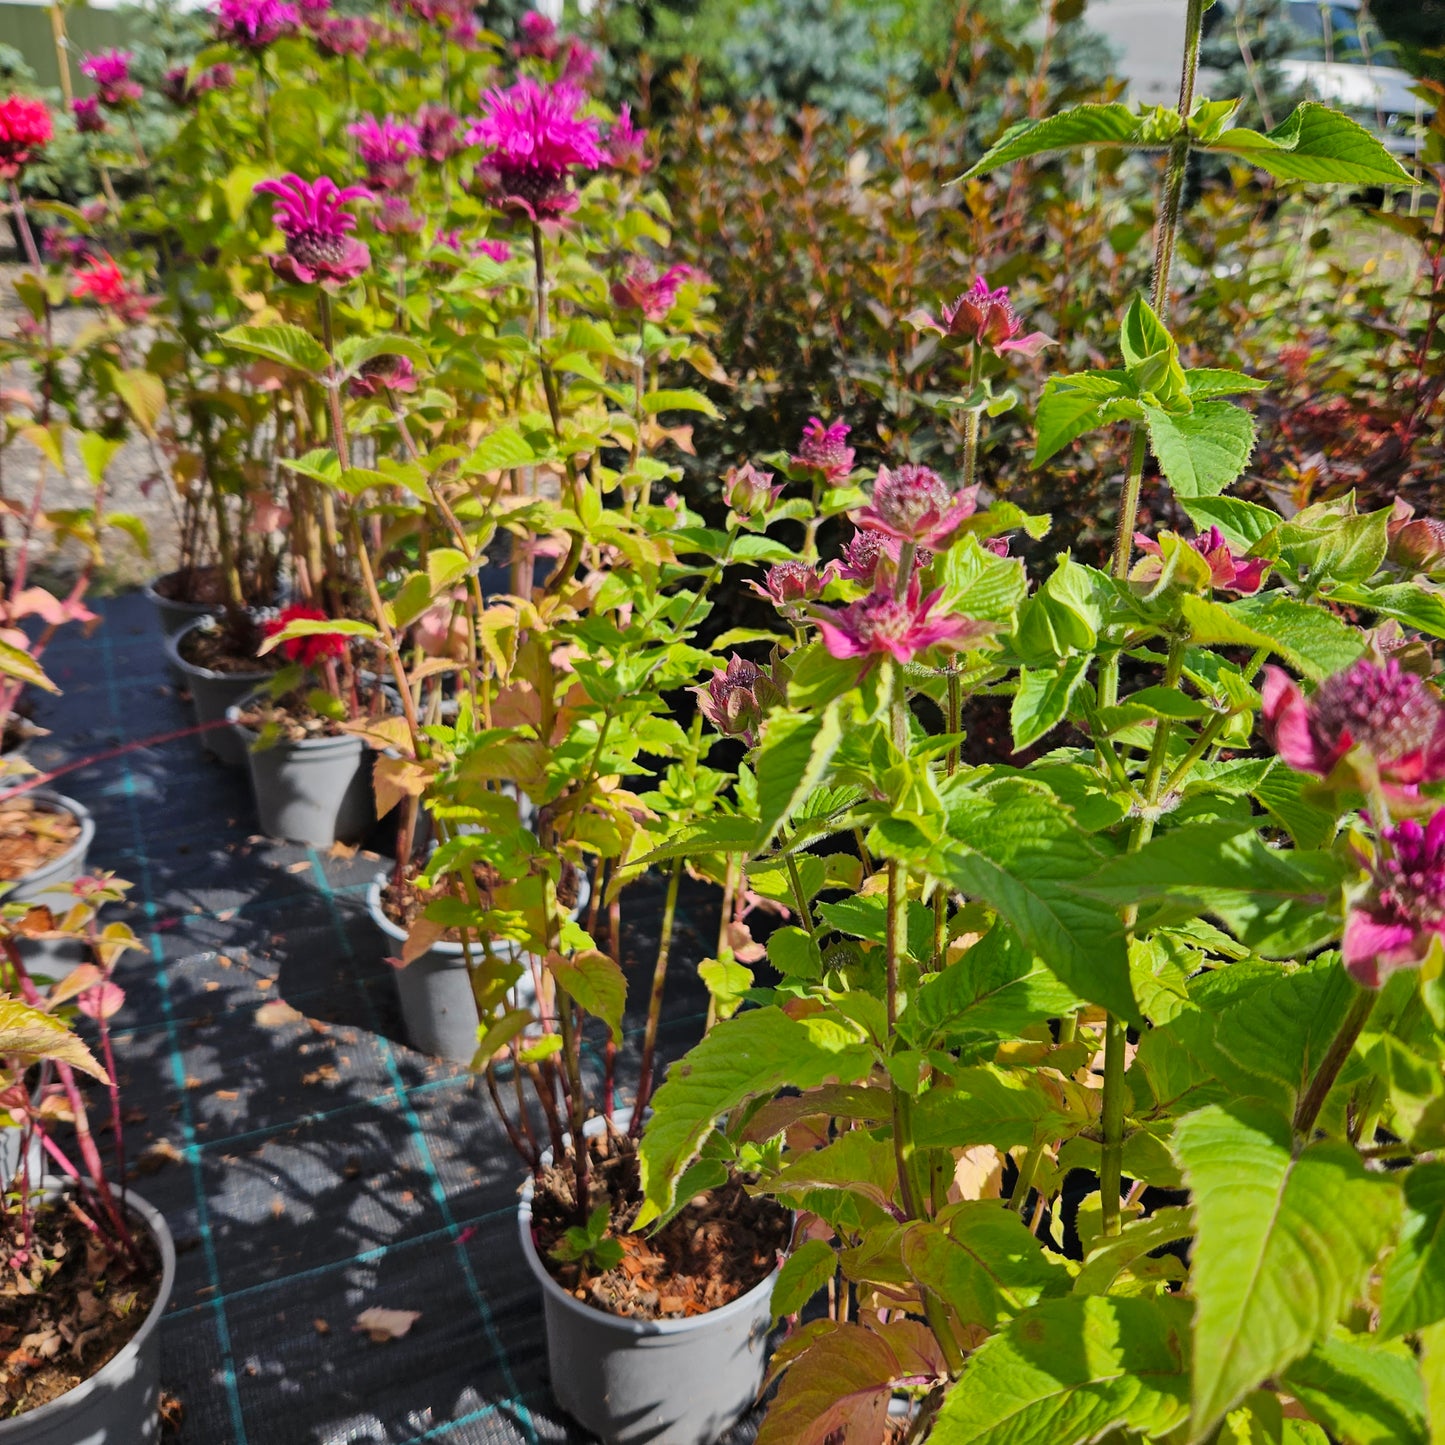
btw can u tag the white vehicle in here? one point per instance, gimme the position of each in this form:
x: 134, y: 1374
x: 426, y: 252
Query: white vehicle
x: 1341, y: 59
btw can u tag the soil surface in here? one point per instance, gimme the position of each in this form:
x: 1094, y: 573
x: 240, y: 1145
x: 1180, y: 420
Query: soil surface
x: 32, y: 835
x: 203, y: 586
x: 723, y: 1244
x: 229, y: 647
x: 293, y: 718
x: 405, y: 902
x: 67, y: 1305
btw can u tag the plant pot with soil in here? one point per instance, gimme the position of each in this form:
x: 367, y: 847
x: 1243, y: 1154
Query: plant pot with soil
x: 219, y: 664
x: 45, y: 841
x: 438, y: 985
x: 658, y: 1338
x: 184, y: 596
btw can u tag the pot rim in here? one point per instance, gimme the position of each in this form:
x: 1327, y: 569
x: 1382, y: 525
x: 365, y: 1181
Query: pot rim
x: 59, y: 803
x: 191, y: 669
x: 201, y: 609
x: 17, y: 1427
x: 622, y: 1324
x: 347, y: 742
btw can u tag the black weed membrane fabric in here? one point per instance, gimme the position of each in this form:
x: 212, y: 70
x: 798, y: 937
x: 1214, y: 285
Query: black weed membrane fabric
x: 310, y: 1165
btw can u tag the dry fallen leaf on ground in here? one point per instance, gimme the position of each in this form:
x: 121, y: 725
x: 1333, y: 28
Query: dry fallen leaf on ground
x: 381, y: 1325
x: 277, y: 1012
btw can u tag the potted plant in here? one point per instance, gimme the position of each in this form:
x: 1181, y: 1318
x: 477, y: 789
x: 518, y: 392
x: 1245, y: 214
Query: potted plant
x: 86, y: 1260
x: 1083, y: 1065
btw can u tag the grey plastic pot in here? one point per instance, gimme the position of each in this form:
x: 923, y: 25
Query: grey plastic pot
x: 48, y: 887
x: 435, y: 990
x: 212, y: 695
x: 651, y: 1382
x: 173, y: 616
x: 316, y: 791
x: 120, y: 1403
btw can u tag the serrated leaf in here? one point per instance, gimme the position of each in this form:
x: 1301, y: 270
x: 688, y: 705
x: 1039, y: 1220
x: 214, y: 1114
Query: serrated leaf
x: 1315, y: 143
x: 1243, y: 523
x: 805, y: 1271
x: 596, y: 982
x: 36, y: 1035
x: 1308, y: 638
x: 792, y: 760
x: 18, y: 664
x: 1361, y: 1392
x: 678, y: 400
x: 1283, y: 1245
x: 757, y: 1052
x: 96, y: 452
x: 505, y: 448
x: 282, y: 342
x: 1209, y: 381
x: 990, y: 1105
x: 1203, y: 451
x: 1070, y: 1370
x: 1064, y: 414
x: 1078, y: 128
x: 144, y: 395
x: 1042, y: 700
x: 1414, y: 1287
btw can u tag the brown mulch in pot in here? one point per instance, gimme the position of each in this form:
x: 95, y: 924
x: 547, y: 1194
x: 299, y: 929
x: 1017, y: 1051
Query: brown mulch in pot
x: 67, y: 1306
x: 405, y: 901
x: 293, y: 719
x: 230, y: 647
x: 32, y: 835
x: 723, y: 1244
x: 203, y: 586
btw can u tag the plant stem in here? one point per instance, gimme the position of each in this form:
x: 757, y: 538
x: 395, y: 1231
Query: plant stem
x: 1111, y: 1167
x: 654, y: 1002
x: 22, y: 225
x: 1313, y: 1098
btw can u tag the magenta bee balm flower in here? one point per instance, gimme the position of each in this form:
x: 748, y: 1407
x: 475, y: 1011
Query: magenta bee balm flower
x: 111, y: 73
x: 1402, y: 917
x: 312, y: 216
x: 85, y: 110
x: 900, y: 627
x: 1228, y: 570
x: 790, y: 584
x: 985, y: 318
x: 866, y: 549
x: 255, y: 24
x: 627, y: 145
x: 536, y: 138
x: 1416, y: 543
x: 385, y: 147
x: 737, y: 697
x: 1392, y: 715
x: 642, y: 289
x: 344, y: 34
x: 914, y: 505
x: 748, y: 491
x: 436, y: 133
x: 395, y: 373
x: 825, y: 449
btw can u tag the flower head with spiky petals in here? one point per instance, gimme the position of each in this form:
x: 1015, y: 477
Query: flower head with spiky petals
x: 104, y: 283
x: 436, y: 133
x: 882, y: 623
x: 1401, y: 917
x: 626, y: 145
x: 384, y: 146
x: 738, y: 697
x: 914, y: 504
x: 825, y: 449
x: 536, y: 138
x: 537, y: 36
x: 85, y: 111
x: 498, y: 251
x: 256, y: 24
x: 25, y: 127
x: 110, y: 70
x: 790, y: 585
x: 392, y: 373
x: 1229, y: 571
x: 1391, y: 715
x: 984, y: 318
x: 641, y: 288
x: 864, y: 551
x: 312, y: 215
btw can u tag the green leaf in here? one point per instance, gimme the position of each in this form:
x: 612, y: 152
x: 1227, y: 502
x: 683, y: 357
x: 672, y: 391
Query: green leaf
x: 498, y: 1034
x: 144, y: 395
x: 984, y: 1263
x: 1284, y: 1243
x: 977, y: 583
x: 596, y: 982
x: 678, y: 400
x: 990, y: 1105
x: 1308, y: 638
x: 1111, y: 1256
x: 1071, y: 1370
x: 758, y: 1052
x: 793, y: 760
x: 318, y: 627
x: 1361, y: 1392
x: 1143, y: 335
x: 505, y: 448
x: 1075, y: 129
x: 96, y: 452
x: 1243, y: 523
x: 1414, y: 1288
x: 34, y: 1034
x: 1042, y: 700
x: 18, y: 664
x: 1020, y: 850
x: 805, y: 1271
x: 1206, y: 382
x: 445, y: 567
x: 1315, y: 143
x: 1274, y: 901
x: 355, y: 351
x: 1203, y: 451
x: 1065, y: 412
x: 282, y: 342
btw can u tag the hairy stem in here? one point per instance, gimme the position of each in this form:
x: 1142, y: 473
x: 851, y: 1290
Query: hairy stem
x: 654, y: 1002
x: 1343, y: 1043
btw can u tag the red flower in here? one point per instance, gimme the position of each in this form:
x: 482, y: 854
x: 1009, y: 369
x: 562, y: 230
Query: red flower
x: 308, y: 651
x: 25, y: 127
x: 104, y: 283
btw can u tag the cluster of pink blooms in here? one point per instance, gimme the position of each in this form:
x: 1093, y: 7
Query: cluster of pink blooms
x: 454, y: 16
x: 627, y: 145
x: 1402, y: 915
x: 256, y: 24
x: 913, y: 504
x: 536, y: 137
x: 385, y: 146
x: 104, y: 283
x: 312, y: 216
x: 85, y: 111
x: 344, y: 34
x: 498, y: 251
x: 110, y: 72
x: 25, y: 128
x: 981, y: 317
x: 1229, y: 570
x: 641, y: 288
